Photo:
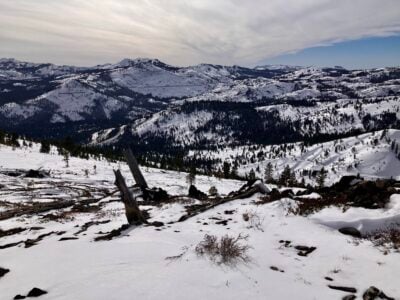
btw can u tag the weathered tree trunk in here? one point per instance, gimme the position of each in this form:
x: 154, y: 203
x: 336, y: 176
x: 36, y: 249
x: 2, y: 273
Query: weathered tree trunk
x: 134, y: 167
x: 132, y: 211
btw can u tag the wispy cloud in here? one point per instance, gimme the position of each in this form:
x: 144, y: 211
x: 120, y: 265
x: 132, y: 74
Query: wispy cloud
x: 185, y: 32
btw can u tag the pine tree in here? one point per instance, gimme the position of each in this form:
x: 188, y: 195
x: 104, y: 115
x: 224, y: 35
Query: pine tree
x: 268, y: 173
x: 321, y: 178
x: 292, y: 179
x: 234, y: 173
x: 191, y: 176
x: 252, y: 175
x: 66, y: 159
x: 213, y: 191
x: 285, y: 176
x: 226, y: 169
x: 44, y: 147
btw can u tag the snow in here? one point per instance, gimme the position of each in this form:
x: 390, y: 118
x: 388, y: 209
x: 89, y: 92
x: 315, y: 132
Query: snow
x: 349, y: 156
x: 137, y: 263
x: 364, y: 220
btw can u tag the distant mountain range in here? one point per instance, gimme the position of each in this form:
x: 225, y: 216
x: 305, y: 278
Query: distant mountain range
x: 155, y: 106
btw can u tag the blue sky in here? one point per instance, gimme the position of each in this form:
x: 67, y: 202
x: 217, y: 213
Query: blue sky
x: 362, y: 53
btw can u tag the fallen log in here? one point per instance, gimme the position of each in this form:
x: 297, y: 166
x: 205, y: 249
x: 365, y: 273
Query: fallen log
x: 246, y: 191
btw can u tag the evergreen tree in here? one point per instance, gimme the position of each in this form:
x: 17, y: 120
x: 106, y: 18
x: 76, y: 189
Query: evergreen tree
x: 252, y: 175
x: 213, y: 191
x: 44, y: 147
x: 66, y: 159
x: 226, y: 169
x: 234, y: 173
x: 268, y: 173
x: 191, y: 176
x: 321, y: 178
x: 285, y: 176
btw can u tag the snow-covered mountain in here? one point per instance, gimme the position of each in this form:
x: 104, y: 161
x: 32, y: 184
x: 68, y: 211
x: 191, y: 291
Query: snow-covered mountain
x: 194, y: 106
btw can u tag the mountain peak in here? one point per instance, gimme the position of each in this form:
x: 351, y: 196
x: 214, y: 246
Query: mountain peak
x: 128, y: 62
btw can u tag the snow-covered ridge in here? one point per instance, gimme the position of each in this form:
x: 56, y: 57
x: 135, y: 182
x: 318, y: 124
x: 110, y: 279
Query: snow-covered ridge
x: 315, y: 100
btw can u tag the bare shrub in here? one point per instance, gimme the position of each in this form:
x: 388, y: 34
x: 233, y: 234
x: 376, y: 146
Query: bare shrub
x: 227, y: 250
x: 179, y: 256
x: 386, y: 238
x: 109, y: 213
x: 254, y: 220
x: 307, y: 207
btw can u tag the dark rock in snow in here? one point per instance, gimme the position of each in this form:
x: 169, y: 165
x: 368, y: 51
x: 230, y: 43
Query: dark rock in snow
x: 304, y: 250
x: 273, y: 268
x: 36, y: 292
x: 197, y: 194
x: 373, y: 293
x: 36, y: 174
x: 328, y: 278
x: 3, y: 271
x: 157, y: 224
x: 350, y: 231
x: 19, y: 297
x: 223, y: 222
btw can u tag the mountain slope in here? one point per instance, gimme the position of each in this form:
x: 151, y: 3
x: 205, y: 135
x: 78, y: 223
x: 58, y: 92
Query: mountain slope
x: 371, y: 155
x: 289, y: 103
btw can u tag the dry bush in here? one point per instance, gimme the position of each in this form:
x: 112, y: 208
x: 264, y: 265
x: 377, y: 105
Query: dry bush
x: 109, y: 213
x: 254, y: 220
x: 386, y: 238
x: 227, y: 250
x: 306, y: 207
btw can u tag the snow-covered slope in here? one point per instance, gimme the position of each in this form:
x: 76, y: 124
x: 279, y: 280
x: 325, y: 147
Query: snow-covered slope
x: 154, y: 263
x: 45, y: 100
x: 370, y: 155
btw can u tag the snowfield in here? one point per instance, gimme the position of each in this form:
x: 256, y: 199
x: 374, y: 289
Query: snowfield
x: 371, y: 155
x: 161, y: 262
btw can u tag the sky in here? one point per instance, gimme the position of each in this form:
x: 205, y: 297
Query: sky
x: 355, y: 54
x: 350, y: 33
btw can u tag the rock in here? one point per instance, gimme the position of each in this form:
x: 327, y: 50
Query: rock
x: 36, y: 174
x: 343, y: 288
x: 328, y: 278
x: 19, y: 297
x: 3, y: 271
x: 273, y: 268
x: 197, y: 194
x: 36, y: 292
x: 373, y: 293
x: 346, y: 182
x: 304, y: 250
x: 156, y: 195
x: 157, y: 224
x: 350, y: 231
x: 349, y: 297
x: 223, y: 222
x: 262, y: 188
